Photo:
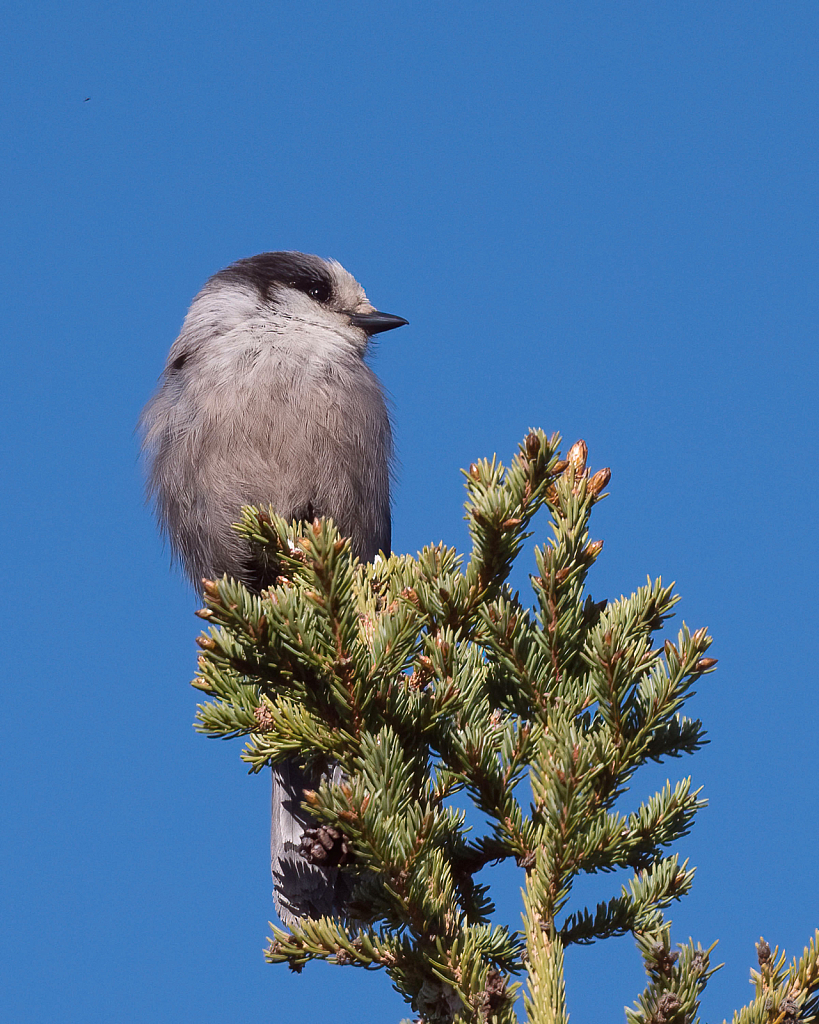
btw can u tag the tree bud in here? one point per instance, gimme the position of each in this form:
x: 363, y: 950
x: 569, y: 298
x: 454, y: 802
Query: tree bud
x: 264, y: 717
x: 705, y: 663
x: 577, y: 455
x: 474, y: 472
x: 599, y: 481
x: 532, y: 445
x: 207, y: 643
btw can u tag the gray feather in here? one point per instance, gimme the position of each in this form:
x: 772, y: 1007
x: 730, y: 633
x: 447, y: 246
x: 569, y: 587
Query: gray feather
x: 301, y: 889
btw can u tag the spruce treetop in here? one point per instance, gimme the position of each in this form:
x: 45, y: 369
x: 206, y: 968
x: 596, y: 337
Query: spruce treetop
x: 431, y: 684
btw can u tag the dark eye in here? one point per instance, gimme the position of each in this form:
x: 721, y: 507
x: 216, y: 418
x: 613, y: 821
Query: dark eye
x: 318, y: 290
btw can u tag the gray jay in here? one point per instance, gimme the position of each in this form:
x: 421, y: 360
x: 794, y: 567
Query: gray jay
x: 266, y: 400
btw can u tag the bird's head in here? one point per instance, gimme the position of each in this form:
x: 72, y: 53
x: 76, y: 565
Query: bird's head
x: 306, y: 302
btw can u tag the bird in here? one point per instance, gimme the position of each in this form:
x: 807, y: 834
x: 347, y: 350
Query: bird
x: 266, y: 399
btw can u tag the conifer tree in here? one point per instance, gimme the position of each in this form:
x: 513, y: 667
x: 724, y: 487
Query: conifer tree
x: 431, y: 683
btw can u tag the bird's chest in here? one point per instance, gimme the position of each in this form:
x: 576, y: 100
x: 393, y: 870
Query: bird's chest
x: 273, y: 405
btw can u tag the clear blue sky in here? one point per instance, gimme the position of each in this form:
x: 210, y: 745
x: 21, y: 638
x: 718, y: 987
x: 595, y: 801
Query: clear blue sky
x: 599, y: 218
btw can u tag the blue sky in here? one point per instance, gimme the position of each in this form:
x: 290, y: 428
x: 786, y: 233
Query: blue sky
x: 600, y: 219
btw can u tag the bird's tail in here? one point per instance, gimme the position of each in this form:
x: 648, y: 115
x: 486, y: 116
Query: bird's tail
x: 300, y: 889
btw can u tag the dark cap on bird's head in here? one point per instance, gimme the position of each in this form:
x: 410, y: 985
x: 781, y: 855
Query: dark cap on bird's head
x: 324, y: 281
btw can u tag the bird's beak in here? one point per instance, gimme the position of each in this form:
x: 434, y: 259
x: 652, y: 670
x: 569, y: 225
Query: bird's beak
x: 376, y: 322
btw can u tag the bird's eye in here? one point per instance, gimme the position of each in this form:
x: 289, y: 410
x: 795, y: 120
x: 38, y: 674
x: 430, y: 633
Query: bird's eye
x: 320, y: 291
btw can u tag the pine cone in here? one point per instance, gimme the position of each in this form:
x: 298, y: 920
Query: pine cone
x: 326, y: 846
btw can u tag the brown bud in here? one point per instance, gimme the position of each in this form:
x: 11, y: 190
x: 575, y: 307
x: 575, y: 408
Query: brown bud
x: 665, y: 959
x: 532, y: 445
x: 264, y: 717
x: 339, y: 544
x: 593, y: 549
x: 668, y: 1007
x: 577, y: 455
x: 705, y: 663
x: 478, y: 516
x: 207, y: 643
x: 210, y: 587
x: 310, y: 796
x: 599, y: 481
x: 263, y: 517
x: 204, y: 613
x: 494, y: 994
x: 509, y: 524
x: 789, y: 1011
x: 563, y: 574
x: 763, y: 952
x: 560, y: 467
x: 474, y: 472
x: 698, y: 637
